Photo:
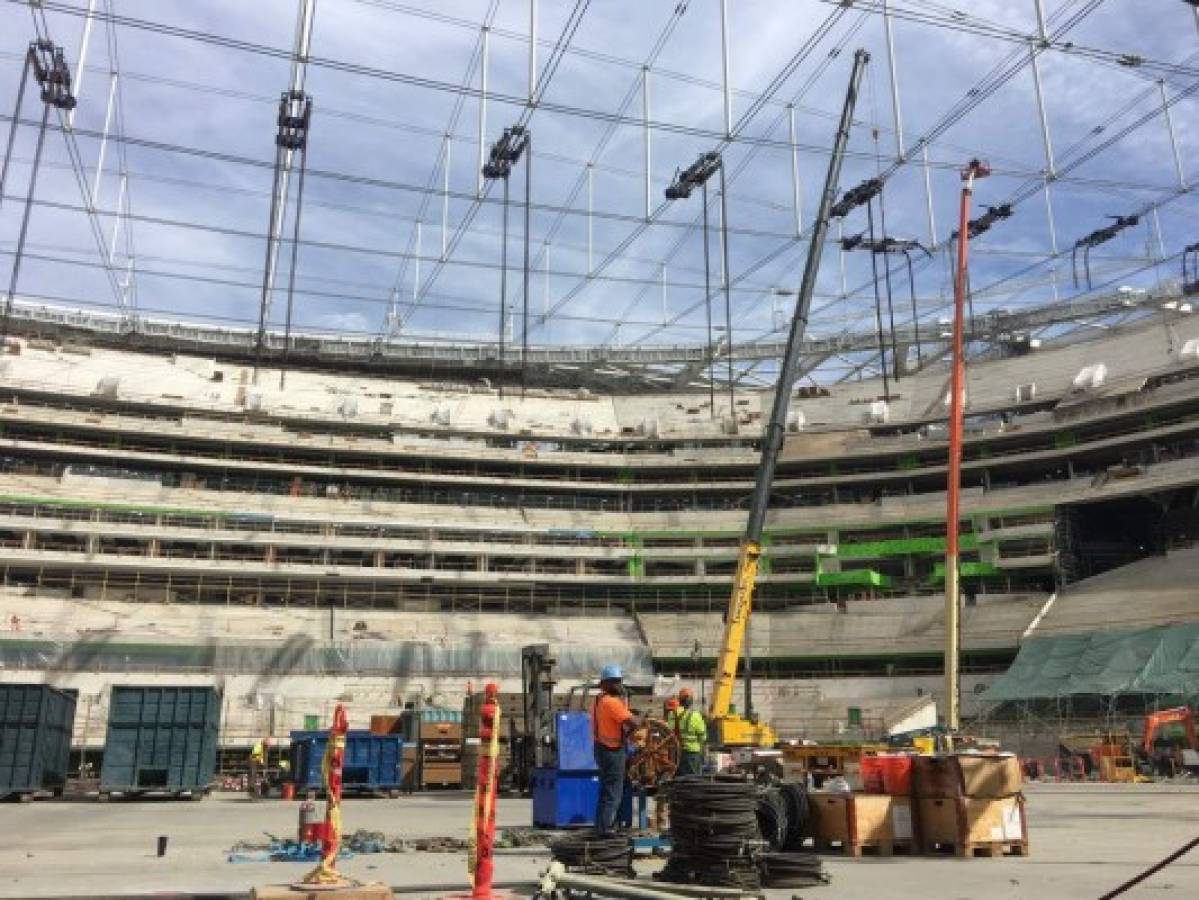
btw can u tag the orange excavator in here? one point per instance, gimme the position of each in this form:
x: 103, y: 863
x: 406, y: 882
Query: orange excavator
x: 1154, y: 722
x: 1117, y: 758
x: 1167, y: 759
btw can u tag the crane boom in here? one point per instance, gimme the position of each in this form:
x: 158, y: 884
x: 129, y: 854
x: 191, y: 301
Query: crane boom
x: 732, y: 729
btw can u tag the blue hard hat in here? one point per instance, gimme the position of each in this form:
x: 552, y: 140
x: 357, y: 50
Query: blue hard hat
x: 611, y: 672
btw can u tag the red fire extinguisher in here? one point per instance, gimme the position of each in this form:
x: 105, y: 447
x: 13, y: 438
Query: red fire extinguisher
x: 310, y: 823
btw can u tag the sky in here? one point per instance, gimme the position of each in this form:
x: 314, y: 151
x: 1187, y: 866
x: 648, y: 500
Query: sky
x: 390, y: 79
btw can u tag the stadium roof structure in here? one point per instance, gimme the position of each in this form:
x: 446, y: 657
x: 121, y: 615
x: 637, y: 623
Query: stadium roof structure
x: 305, y: 178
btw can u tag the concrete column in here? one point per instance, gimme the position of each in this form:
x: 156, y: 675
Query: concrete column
x: 30, y: 540
x: 154, y: 548
x: 832, y: 563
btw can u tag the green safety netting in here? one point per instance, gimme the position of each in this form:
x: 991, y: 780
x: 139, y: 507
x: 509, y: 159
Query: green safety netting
x: 1161, y: 660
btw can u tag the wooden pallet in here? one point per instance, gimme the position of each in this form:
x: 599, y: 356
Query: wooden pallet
x: 861, y: 824
x: 970, y: 850
x: 866, y: 848
x: 995, y: 848
x: 967, y: 827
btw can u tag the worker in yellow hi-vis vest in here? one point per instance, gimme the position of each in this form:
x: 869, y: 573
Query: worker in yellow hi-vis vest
x: 258, y: 754
x: 688, y: 723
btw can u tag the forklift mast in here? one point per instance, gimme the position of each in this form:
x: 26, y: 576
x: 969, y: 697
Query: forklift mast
x: 532, y: 743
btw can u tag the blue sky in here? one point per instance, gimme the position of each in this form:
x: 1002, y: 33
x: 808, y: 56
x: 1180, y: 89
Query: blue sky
x: 221, y: 100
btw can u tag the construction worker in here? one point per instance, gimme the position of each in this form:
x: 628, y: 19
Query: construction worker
x: 661, y: 806
x: 257, y: 767
x: 692, y: 731
x: 283, y: 773
x: 611, y: 722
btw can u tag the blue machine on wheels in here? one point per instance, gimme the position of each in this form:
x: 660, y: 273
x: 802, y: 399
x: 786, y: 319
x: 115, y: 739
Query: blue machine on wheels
x: 563, y: 777
x: 566, y: 792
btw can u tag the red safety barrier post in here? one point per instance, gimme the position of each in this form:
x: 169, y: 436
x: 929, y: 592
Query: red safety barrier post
x: 482, y: 855
x: 335, y: 750
x: 481, y: 860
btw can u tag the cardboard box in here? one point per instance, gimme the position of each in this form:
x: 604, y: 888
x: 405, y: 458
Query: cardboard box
x: 938, y: 819
x: 990, y: 776
x: 442, y: 774
x: 936, y: 777
x: 964, y: 820
x: 441, y: 731
x: 841, y: 818
x: 977, y: 775
x: 386, y: 725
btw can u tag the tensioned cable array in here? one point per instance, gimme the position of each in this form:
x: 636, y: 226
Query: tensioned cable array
x: 922, y: 14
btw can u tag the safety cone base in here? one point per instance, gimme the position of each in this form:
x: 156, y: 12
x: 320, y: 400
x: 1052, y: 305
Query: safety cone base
x: 347, y: 891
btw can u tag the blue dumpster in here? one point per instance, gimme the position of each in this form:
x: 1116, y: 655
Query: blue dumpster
x: 35, y: 738
x: 161, y: 740
x: 373, y: 762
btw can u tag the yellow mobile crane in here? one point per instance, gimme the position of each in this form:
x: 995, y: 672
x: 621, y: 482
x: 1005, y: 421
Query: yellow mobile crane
x: 729, y: 728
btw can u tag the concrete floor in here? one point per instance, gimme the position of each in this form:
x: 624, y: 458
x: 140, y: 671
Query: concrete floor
x: 1086, y: 839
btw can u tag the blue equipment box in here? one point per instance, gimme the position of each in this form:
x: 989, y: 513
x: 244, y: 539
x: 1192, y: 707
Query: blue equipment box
x: 562, y: 799
x: 576, y: 746
x: 373, y: 762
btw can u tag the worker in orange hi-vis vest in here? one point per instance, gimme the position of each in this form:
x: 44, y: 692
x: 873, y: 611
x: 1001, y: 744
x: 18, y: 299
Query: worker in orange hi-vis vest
x: 612, y: 722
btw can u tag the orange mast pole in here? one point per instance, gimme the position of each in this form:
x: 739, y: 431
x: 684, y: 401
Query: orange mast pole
x: 957, y: 381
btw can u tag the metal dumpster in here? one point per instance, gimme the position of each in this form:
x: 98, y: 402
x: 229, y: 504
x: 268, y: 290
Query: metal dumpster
x: 35, y: 739
x: 161, y: 740
x: 373, y: 762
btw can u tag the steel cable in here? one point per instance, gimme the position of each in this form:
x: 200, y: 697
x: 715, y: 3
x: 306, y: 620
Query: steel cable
x: 795, y: 797
x: 594, y: 854
x: 714, y: 832
x: 792, y: 870
x: 737, y: 833
x: 771, y: 814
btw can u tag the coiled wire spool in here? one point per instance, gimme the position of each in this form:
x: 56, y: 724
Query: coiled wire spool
x: 594, y: 854
x: 773, y: 821
x: 799, y: 815
x: 714, y: 833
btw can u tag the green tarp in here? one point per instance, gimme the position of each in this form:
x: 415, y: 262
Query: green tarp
x: 1162, y: 660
